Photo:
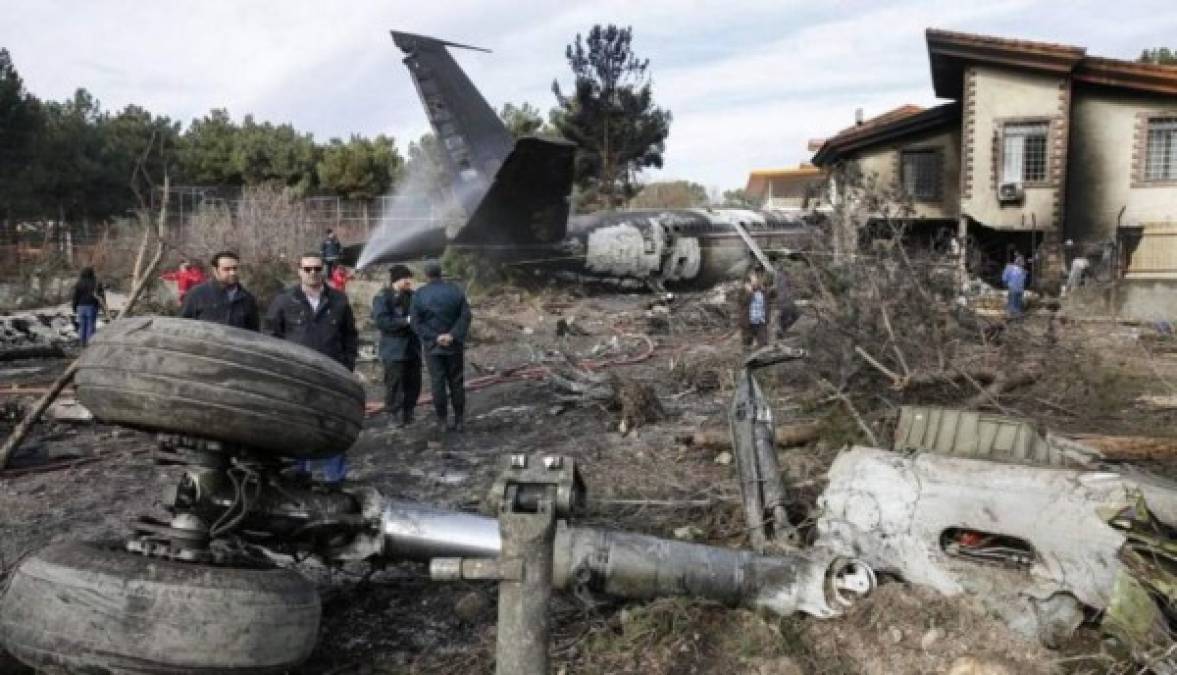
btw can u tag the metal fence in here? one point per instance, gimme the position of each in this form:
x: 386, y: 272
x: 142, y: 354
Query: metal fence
x: 40, y: 243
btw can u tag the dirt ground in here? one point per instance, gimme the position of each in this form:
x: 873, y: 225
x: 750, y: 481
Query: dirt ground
x: 647, y: 480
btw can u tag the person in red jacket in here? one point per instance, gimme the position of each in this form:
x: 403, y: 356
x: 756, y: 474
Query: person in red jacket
x: 186, y: 277
x: 339, y: 278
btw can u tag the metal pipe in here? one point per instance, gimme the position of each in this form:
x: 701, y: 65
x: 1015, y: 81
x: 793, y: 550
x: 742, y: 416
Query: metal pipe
x: 637, y: 566
x: 419, y: 532
x: 627, y: 565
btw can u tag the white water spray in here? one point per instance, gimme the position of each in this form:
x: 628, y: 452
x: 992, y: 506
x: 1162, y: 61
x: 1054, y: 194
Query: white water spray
x: 413, y: 217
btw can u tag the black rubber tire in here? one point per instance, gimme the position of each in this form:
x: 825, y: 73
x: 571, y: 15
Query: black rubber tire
x: 204, y: 379
x: 92, y: 608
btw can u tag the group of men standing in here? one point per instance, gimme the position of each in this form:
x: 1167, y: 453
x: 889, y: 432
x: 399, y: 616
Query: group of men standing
x: 428, y: 324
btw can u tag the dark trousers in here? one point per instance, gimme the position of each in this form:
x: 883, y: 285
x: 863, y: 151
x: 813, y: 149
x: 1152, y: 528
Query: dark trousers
x: 402, y: 386
x: 786, y: 317
x: 755, y: 333
x: 446, y: 373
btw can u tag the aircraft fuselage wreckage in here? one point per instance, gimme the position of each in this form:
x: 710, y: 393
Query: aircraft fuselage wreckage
x: 517, y: 193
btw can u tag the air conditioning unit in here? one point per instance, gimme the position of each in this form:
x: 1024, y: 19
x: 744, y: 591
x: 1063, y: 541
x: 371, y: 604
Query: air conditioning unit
x: 1010, y: 192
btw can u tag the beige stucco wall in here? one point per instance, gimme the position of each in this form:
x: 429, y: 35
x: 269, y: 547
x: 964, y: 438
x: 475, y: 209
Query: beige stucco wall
x: 883, y: 162
x: 1099, y: 177
x: 993, y: 96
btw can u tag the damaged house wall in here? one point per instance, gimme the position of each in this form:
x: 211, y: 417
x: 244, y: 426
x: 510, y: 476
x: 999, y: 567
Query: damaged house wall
x: 1108, y: 150
x: 887, y: 162
x: 997, y: 101
x: 1050, y: 144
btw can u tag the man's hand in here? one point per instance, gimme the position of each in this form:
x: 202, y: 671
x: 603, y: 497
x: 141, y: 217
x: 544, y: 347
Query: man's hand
x: 445, y: 339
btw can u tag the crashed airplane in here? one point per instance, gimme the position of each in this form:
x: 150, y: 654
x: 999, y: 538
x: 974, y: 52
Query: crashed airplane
x: 517, y: 193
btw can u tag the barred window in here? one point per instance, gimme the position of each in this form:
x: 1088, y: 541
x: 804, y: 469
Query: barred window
x: 920, y: 170
x: 1160, y: 161
x: 1024, y: 152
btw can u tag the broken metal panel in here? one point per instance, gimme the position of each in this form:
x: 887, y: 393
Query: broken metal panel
x: 684, y: 260
x: 978, y: 435
x: 891, y: 511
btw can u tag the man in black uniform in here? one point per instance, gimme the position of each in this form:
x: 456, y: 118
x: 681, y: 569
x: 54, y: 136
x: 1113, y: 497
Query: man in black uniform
x: 440, y: 316
x: 400, y: 349
x: 222, y: 299
x: 331, y: 249
x: 315, y: 315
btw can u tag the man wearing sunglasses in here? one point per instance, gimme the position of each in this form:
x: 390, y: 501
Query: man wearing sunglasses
x: 315, y: 315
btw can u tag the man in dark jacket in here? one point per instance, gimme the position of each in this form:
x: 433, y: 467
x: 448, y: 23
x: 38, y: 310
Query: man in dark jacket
x: 400, y: 349
x: 440, y: 316
x: 222, y: 299
x: 330, y: 249
x: 315, y: 315
x: 787, y: 310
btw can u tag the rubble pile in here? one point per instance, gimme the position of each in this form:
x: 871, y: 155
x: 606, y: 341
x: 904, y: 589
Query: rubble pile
x: 958, y: 512
x: 37, y: 331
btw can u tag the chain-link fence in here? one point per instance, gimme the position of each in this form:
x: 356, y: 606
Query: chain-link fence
x: 261, y: 223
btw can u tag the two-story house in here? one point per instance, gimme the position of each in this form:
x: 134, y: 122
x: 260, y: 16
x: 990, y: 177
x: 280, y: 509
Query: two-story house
x: 1040, y: 145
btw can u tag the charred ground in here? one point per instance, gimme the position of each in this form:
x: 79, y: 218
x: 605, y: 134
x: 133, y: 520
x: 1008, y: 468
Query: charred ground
x: 651, y: 479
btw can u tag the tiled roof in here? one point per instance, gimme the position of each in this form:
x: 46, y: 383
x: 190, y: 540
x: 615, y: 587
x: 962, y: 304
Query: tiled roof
x: 950, y: 51
x: 900, y: 122
x: 888, y: 117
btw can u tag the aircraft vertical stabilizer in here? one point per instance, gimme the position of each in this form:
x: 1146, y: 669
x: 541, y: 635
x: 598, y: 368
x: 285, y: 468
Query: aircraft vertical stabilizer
x: 516, y: 193
x: 474, y: 140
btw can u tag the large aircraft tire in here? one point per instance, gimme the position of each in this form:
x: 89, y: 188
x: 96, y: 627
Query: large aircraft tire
x: 93, y: 608
x: 221, y: 383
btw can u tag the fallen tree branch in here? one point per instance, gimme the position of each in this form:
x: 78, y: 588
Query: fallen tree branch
x: 1005, y: 382
x: 786, y: 436
x: 852, y: 410
x: 18, y: 434
x: 984, y: 394
x: 897, y: 382
x: 1129, y: 448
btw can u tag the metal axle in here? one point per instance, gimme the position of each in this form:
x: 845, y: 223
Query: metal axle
x: 627, y: 565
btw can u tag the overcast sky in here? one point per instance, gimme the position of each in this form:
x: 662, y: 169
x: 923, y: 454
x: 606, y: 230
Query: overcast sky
x: 748, y: 81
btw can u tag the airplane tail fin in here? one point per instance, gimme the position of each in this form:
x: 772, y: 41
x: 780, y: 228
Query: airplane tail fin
x: 528, y: 201
x: 473, y: 138
x: 516, y: 192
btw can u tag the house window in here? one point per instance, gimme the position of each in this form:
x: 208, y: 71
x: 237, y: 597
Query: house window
x: 1161, y: 152
x: 1023, y: 157
x: 920, y: 170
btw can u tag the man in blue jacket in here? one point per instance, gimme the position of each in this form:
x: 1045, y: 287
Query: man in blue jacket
x: 440, y: 316
x: 1014, y: 278
x: 400, y: 349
